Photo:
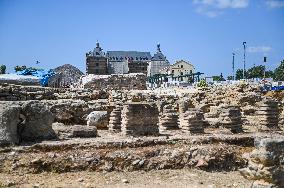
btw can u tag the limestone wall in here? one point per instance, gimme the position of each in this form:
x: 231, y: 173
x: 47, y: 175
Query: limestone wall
x: 11, y: 92
x: 115, y: 81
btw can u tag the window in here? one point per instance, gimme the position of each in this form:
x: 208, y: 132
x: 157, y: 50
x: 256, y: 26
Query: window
x: 181, y: 73
x: 181, y: 66
x: 190, y: 71
x: 173, y: 71
x: 97, y: 64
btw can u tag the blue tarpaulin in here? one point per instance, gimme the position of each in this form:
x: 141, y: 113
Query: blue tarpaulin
x: 43, y: 75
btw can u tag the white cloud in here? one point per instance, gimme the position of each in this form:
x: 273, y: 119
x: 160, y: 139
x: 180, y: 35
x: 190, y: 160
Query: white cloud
x: 259, y: 49
x: 209, y: 13
x: 275, y: 3
x: 213, y: 8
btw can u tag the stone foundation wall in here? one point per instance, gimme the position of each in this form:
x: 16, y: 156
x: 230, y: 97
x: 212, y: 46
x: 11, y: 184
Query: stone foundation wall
x: 11, y: 92
x: 115, y: 82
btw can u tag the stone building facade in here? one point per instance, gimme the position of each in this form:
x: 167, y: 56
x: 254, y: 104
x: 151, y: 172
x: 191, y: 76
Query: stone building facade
x: 118, y: 67
x: 157, y: 63
x: 96, y: 62
x: 131, y: 61
x: 124, y: 62
x: 179, y: 68
x: 138, y: 67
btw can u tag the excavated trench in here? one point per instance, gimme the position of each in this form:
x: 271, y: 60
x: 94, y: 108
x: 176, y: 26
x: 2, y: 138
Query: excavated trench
x: 209, y: 153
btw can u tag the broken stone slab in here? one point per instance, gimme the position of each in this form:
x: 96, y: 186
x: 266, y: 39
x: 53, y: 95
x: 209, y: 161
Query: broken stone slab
x: 9, y: 122
x: 83, y: 131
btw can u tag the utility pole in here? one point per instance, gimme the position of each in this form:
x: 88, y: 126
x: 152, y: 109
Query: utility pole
x: 244, y: 69
x: 233, y: 66
x: 264, y: 61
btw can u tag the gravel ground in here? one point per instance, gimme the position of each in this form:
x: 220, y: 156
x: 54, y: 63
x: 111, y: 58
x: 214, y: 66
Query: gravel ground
x: 154, y: 179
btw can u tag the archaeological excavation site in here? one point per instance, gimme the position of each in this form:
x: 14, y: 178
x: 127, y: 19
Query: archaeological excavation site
x: 221, y: 136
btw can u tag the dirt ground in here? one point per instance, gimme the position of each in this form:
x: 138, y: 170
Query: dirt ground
x: 154, y: 179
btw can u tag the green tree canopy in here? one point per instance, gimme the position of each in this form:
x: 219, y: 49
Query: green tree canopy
x: 20, y: 68
x: 279, y: 72
x: 2, y: 69
x: 218, y: 78
x: 230, y: 78
x: 254, y: 72
x: 239, y: 74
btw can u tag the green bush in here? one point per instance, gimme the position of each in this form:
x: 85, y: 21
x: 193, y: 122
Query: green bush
x: 202, y: 83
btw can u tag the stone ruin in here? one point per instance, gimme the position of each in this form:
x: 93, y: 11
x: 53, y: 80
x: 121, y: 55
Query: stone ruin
x: 168, y: 118
x: 266, y: 163
x: 230, y: 118
x: 23, y: 122
x: 140, y: 119
x: 115, y: 82
x: 268, y: 115
x: 115, y: 119
x: 192, y: 121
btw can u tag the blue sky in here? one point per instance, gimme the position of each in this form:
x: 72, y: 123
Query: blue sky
x: 204, y: 32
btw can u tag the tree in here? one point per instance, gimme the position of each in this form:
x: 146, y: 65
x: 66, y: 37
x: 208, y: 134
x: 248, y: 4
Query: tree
x: 3, y: 69
x: 20, y: 68
x: 279, y: 72
x: 239, y: 74
x: 218, y: 78
x: 230, y: 78
x: 256, y: 72
x: 269, y: 74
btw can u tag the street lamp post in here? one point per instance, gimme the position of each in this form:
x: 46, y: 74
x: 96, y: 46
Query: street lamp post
x: 244, y: 69
x: 264, y: 61
x: 233, y: 66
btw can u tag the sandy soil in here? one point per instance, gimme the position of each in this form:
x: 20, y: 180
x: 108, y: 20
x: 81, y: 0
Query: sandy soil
x: 154, y: 179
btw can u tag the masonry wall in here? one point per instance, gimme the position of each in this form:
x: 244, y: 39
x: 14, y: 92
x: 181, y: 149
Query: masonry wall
x: 115, y: 82
x: 138, y: 67
x: 96, y: 65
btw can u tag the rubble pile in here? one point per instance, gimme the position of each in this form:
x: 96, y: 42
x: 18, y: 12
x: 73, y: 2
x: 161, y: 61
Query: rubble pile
x: 265, y: 163
x: 267, y: 115
x: 230, y: 118
x: 65, y: 76
x: 192, y: 121
x: 140, y: 119
x: 168, y: 119
x: 281, y: 120
x: 115, y: 119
